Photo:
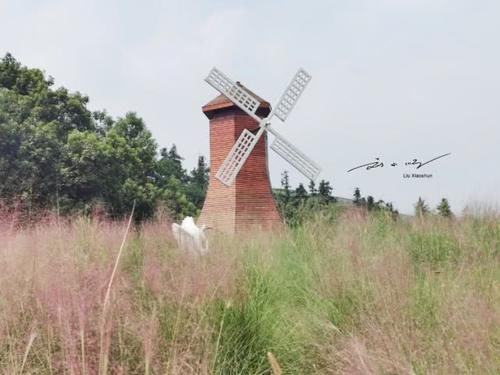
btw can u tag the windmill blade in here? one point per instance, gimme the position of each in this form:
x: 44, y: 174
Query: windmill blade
x: 234, y: 92
x: 291, y: 94
x: 237, y: 156
x: 295, y: 157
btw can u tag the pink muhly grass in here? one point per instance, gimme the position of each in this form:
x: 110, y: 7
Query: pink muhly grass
x: 81, y: 295
x: 104, y: 330
x: 57, y: 276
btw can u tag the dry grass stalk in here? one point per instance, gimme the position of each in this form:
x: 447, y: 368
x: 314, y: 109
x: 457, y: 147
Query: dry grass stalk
x: 274, y: 364
x: 103, y: 357
x: 26, y: 352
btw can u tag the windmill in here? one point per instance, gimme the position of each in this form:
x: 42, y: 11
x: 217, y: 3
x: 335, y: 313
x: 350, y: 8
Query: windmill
x: 247, y: 140
x: 239, y: 195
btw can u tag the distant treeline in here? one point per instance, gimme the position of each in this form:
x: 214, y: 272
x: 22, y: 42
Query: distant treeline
x: 57, y: 154
x: 297, y: 204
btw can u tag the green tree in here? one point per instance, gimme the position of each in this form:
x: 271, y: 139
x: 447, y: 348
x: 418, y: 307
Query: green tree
x: 444, y: 208
x: 170, y: 164
x: 357, y: 196
x: 301, y: 192
x: 421, y: 208
x: 285, y: 185
x: 390, y: 208
x: 55, y: 152
x: 325, y: 191
x: 132, y: 151
x: 286, y: 205
x: 370, y: 203
x: 116, y: 168
x: 35, y: 121
x: 174, y: 196
x: 198, y: 183
x: 312, y: 188
x: 88, y: 171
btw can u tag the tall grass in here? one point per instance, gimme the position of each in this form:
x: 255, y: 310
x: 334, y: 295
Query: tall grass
x: 345, y: 292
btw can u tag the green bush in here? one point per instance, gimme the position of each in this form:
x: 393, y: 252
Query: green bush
x: 432, y: 249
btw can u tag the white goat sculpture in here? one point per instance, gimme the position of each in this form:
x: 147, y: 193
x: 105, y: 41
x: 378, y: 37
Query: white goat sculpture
x: 191, y: 237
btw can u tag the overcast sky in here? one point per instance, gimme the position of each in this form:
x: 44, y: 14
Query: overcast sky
x: 394, y: 79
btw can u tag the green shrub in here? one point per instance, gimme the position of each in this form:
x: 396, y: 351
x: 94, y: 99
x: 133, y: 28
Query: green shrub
x: 432, y: 249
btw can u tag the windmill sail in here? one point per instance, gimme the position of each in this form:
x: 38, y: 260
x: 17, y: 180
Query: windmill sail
x: 234, y: 92
x: 246, y: 142
x: 292, y: 94
x: 237, y: 156
x: 294, y: 156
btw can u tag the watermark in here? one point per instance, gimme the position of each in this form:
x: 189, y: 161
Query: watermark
x: 414, y: 163
x: 417, y: 175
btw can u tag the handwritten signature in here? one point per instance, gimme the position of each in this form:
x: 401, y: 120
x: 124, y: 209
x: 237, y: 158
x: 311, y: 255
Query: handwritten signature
x: 379, y: 164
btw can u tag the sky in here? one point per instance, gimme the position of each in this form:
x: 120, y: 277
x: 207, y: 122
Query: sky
x: 391, y: 79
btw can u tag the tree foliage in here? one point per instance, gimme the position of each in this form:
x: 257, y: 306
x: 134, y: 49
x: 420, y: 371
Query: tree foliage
x: 55, y: 152
x: 421, y: 208
x: 444, y: 208
x: 370, y: 204
x: 293, y: 204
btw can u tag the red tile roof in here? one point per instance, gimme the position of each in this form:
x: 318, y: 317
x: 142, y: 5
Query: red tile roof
x: 221, y: 102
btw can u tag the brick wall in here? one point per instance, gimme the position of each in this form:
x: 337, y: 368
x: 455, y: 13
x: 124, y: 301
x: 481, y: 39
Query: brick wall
x: 248, y: 203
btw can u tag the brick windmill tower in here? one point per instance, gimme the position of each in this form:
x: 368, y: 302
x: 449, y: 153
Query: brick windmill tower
x: 239, y: 196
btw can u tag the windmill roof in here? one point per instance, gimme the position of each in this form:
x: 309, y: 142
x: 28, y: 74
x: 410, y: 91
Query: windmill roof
x: 221, y: 102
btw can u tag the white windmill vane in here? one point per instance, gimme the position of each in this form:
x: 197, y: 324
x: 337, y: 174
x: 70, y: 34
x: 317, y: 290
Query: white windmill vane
x: 243, y: 147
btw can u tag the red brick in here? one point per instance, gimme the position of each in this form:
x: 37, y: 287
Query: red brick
x: 247, y: 204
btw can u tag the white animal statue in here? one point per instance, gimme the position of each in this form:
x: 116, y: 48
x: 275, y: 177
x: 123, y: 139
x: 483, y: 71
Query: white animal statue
x: 191, y: 237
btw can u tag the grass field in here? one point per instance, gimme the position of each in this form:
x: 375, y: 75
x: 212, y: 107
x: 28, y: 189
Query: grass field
x: 345, y: 293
